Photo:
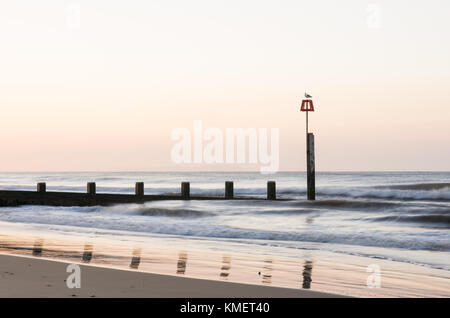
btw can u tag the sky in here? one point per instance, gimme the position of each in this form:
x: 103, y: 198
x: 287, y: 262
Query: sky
x: 101, y: 85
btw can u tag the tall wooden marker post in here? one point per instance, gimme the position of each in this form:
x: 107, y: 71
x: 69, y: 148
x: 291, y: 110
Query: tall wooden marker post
x: 308, y: 106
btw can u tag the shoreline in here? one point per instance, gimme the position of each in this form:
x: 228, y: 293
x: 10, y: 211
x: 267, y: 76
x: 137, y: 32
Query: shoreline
x: 28, y: 277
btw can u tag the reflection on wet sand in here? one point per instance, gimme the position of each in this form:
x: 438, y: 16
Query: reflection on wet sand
x: 307, y: 273
x: 37, y: 248
x: 347, y: 277
x: 181, y: 265
x: 226, y: 266
x: 87, y: 254
x: 136, y: 258
x: 267, y: 271
x: 310, y: 219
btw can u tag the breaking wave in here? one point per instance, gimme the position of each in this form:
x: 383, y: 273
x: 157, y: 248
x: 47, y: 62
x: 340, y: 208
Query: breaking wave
x: 146, y: 210
x: 387, y: 193
x: 418, y: 186
x: 441, y: 220
x: 349, y: 204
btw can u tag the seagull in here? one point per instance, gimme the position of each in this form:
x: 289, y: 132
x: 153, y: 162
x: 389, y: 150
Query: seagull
x: 307, y: 95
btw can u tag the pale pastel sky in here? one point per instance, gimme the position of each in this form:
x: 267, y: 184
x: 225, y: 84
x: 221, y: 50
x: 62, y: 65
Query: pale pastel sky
x: 100, y: 85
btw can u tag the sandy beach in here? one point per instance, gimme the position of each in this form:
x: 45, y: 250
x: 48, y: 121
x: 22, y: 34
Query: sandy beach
x: 31, y: 277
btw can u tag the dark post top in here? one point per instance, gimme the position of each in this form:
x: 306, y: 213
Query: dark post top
x: 41, y: 187
x: 229, y: 189
x: 310, y: 165
x: 91, y: 188
x: 139, y: 188
x: 185, y: 190
x: 271, y: 190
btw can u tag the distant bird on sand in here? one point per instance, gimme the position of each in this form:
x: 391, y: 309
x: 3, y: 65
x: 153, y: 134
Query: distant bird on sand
x: 307, y: 95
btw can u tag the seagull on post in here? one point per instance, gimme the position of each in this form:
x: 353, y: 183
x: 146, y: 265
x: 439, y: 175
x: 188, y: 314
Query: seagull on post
x: 307, y: 95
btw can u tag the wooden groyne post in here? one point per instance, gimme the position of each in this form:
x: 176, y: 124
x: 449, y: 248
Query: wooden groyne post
x: 271, y: 190
x: 229, y: 190
x: 311, y: 171
x: 139, y: 188
x: 91, y: 188
x: 308, y: 106
x: 185, y: 190
x: 41, y: 187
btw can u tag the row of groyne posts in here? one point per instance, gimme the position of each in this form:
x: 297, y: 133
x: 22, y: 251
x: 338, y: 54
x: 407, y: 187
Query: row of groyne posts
x: 306, y: 106
x: 185, y: 189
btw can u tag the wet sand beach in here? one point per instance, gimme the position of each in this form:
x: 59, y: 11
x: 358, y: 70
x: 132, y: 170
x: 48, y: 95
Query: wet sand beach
x: 37, y: 267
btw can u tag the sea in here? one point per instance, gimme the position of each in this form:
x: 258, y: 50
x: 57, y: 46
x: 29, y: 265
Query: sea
x: 401, y: 217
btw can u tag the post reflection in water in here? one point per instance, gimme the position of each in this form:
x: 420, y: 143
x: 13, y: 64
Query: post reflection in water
x: 226, y: 266
x: 181, y: 265
x: 310, y: 219
x: 136, y: 258
x: 37, y: 248
x: 307, y: 273
x: 87, y: 254
x: 267, y: 271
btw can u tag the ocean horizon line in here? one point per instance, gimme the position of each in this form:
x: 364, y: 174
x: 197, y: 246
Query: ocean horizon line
x: 224, y: 171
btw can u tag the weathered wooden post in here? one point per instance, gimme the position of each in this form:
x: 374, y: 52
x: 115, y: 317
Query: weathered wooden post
x: 41, y: 187
x: 185, y: 190
x: 87, y: 254
x: 308, y: 106
x: 91, y: 187
x: 311, y: 171
x: 271, y: 190
x: 139, y: 188
x: 229, y: 190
